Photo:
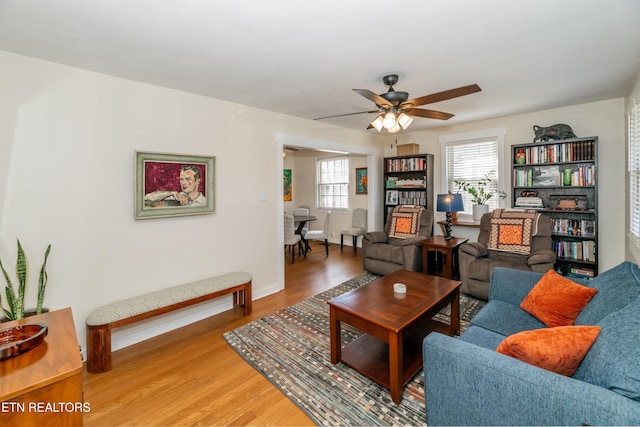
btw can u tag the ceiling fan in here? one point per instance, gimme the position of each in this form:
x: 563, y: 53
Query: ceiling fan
x: 396, y: 109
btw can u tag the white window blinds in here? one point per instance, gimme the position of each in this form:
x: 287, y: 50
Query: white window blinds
x: 634, y: 174
x: 333, y: 183
x: 470, y: 162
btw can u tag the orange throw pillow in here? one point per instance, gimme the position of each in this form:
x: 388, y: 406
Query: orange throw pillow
x: 558, y: 350
x: 556, y: 300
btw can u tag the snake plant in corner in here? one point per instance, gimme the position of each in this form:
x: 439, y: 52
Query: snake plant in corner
x: 15, y: 297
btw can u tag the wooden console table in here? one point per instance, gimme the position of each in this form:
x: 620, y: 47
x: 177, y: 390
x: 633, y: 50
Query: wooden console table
x: 43, y: 387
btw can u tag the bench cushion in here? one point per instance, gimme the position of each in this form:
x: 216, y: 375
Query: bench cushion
x: 163, y: 298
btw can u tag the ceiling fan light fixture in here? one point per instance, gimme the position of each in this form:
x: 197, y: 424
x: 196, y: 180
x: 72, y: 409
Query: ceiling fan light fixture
x: 377, y: 123
x: 389, y: 120
x: 404, y: 120
x: 395, y: 129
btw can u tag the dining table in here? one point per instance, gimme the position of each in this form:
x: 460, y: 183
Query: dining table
x: 302, y: 220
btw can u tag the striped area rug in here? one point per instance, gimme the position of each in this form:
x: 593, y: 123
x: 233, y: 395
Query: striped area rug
x: 291, y: 349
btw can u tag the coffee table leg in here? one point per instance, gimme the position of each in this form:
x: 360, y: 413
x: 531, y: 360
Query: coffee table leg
x: 455, y: 313
x: 395, y: 367
x: 334, y: 333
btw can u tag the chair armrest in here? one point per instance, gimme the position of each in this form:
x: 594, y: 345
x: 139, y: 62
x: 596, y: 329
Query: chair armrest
x: 474, y: 249
x: 376, y: 237
x: 543, y: 256
x: 410, y: 241
x: 500, y: 390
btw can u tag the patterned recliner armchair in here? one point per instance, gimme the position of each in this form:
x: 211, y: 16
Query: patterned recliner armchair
x: 477, y: 262
x: 383, y: 254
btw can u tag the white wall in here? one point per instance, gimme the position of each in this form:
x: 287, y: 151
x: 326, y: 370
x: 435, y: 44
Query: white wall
x: 603, y: 119
x: 67, y: 142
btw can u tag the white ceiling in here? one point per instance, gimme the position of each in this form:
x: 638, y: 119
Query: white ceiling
x: 303, y: 58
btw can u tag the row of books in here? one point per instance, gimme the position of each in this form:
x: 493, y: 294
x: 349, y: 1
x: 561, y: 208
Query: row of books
x: 553, y: 176
x: 395, y: 197
x: 583, y: 251
x: 395, y: 182
x: 574, y: 227
x: 584, y: 176
x: 563, y: 152
x: 529, y: 203
x: 581, y: 272
x: 405, y: 165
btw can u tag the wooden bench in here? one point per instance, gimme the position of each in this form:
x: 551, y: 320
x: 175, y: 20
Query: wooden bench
x: 102, y: 320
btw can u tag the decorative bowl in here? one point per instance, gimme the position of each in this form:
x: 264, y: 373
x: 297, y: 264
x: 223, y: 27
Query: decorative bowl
x: 20, y: 339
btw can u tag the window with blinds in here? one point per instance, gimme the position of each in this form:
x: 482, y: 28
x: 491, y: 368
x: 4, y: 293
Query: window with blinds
x: 333, y: 183
x: 470, y: 162
x: 634, y: 174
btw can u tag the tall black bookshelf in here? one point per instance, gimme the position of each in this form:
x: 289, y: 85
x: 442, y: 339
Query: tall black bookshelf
x: 408, y: 180
x: 559, y: 178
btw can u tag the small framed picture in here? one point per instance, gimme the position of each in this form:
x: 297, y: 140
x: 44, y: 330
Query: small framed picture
x: 361, y: 181
x: 173, y: 185
x: 392, y: 197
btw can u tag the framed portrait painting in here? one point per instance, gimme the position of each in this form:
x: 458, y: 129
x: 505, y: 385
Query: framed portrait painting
x: 361, y: 181
x: 173, y: 185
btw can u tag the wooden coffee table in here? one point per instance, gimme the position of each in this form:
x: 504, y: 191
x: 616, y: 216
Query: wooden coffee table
x: 394, y: 325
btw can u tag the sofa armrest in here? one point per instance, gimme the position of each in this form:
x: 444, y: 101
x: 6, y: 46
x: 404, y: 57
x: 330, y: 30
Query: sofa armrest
x: 474, y: 249
x: 375, y: 237
x: 470, y: 385
x: 543, y: 256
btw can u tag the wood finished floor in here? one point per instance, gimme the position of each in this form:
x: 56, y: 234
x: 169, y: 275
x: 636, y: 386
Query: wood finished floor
x: 191, y: 377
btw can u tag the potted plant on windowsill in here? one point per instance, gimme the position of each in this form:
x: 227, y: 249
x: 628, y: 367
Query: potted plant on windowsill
x: 15, y: 297
x: 480, y: 194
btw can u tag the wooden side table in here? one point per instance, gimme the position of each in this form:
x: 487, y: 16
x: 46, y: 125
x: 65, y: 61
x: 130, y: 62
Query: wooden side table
x: 449, y: 248
x: 43, y: 387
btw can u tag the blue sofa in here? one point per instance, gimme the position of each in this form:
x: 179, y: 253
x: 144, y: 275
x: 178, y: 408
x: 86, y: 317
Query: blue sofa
x: 468, y: 383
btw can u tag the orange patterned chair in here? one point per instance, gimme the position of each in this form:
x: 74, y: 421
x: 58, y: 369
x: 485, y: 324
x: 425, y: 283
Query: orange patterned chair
x: 501, y: 243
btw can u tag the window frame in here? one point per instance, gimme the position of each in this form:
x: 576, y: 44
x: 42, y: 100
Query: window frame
x: 633, y: 180
x: 319, y: 183
x: 475, y: 137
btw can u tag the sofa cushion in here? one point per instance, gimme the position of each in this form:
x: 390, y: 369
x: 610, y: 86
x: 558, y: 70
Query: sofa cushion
x: 614, y: 360
x: 505, y: 319
x: 557, y: 301
x: 616, y: 288
x: 559, y: 349
x: 482, y: 337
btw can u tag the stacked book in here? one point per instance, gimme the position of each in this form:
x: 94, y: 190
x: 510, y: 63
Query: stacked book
x: 529, y: 203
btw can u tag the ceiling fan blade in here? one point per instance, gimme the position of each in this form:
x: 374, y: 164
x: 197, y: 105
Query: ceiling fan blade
x: 442, y: 96
x: 371, y: 96
x: 348, y: 114
x: 429, y: 114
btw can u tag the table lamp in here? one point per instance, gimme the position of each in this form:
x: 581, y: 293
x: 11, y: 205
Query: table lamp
x: 449, y: 203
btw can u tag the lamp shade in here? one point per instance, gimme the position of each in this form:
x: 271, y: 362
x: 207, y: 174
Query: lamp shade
x: 449, y: 203
x: 377, y: 123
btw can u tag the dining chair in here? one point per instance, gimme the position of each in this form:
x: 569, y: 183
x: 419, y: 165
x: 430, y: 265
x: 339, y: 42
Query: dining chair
x: 320, y: 234
x: 290, y: 236
x: 358, y: 227
x: 302, y: 211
